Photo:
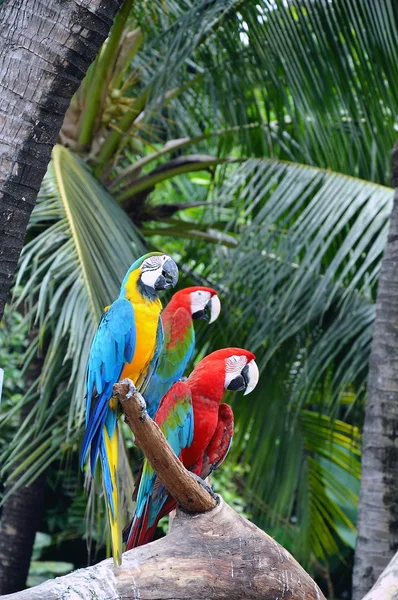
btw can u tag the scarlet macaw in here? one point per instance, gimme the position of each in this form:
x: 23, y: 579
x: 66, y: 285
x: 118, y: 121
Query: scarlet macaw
x: 198, y: 428
x: 179, y: 338
x: 127, y: 344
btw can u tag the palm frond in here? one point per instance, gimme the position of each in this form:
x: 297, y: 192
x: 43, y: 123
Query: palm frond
x: 271, y: 57
x: 310, y: 247
x: 298, y: 290
x: 71, y: 269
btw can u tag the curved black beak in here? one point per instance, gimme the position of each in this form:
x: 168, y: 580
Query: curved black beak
x: 210, y: 312
x: 169, y: 276
x: 237, y: 384
x: 245, y: 375
x: 246, y: 380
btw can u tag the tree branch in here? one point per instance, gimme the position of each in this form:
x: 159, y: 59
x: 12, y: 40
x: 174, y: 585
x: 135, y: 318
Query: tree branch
x: 190, y: 495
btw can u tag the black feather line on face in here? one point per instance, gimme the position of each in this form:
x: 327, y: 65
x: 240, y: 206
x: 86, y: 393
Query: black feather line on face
x: 151, y: 264
x: 199, y: 315
x: 237, y: 384
x: 146, y: 291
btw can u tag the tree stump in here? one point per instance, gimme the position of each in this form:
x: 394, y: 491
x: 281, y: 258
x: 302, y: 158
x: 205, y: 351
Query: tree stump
x: 209, y: 556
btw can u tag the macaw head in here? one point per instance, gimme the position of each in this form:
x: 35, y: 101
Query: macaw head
x: 227, y: 369
x: 201, y: 302
x: 151, y: 273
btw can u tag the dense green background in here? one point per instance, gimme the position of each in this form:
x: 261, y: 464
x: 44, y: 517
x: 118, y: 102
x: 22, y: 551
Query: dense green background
x: 251, y: 140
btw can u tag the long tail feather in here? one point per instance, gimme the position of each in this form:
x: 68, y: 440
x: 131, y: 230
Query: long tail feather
x: 137, y: 533
x: 109, y: 461
x: 92, y: 438
x: 139, y: 530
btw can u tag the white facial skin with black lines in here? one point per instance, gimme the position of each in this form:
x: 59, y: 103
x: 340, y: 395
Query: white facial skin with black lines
x: 233, y: 368
x: 151, y: 268
x: 199, y: 300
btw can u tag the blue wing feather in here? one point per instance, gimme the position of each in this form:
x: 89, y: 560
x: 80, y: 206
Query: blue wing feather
x: 178, y: 437
x: 112, y: 347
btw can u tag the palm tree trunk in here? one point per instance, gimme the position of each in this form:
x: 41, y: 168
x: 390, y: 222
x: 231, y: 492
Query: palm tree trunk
x: 20, y: 519
x: 21, y: 514
x: 378, y: 507
x: 46, y: 48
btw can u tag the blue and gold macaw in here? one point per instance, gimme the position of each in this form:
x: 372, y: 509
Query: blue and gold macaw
x: 127, y: 344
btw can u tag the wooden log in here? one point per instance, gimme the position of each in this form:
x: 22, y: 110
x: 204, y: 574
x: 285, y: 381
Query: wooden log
x: 211, y: 556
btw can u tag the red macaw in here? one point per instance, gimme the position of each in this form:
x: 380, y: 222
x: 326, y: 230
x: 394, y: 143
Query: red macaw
x: 198, y: 428
x: 186, y: 305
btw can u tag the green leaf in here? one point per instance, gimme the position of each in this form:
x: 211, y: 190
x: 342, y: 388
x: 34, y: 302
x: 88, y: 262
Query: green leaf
x: 299, y: 291
x: 184, y: 164
x: 71, y: 269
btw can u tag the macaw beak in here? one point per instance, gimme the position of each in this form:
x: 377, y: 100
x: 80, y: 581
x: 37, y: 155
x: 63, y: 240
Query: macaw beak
x: 210, y: 312
x: 251, y: 376
x: 169, y: 276
x: 214, y: 308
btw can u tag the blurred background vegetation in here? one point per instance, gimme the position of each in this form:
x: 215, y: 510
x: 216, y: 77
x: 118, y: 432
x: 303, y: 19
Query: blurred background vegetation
x: 252, y: 141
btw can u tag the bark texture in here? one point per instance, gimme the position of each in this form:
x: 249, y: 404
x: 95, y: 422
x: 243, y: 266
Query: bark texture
x: 20, y: 519
x: 21, y: 512
x: 386, y: 587
x: 210, y: 556
x: 46, y: 47
x: 378, y: 507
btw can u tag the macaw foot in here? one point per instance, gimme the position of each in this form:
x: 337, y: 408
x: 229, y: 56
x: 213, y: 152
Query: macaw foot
x: 142, y: 402
x: 132, y: 388
x: 206, y: 486
x: 133, y: 392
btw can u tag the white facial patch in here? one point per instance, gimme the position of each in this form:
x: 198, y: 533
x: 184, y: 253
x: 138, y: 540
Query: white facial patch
x: 151, y: 268
x: 233, y: 366
x: 199, y: 299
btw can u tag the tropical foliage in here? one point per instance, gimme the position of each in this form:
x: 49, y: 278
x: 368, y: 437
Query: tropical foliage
x: 251, y: 140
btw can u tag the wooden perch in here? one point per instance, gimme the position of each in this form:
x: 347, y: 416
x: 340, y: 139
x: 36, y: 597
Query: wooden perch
x: 190, y: 495
x: 212, y: 555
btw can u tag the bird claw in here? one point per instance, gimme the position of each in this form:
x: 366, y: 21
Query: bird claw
x: 132, y: 389
x: 206, y: 487
x: 142, y: 403
x: 133, y: 392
